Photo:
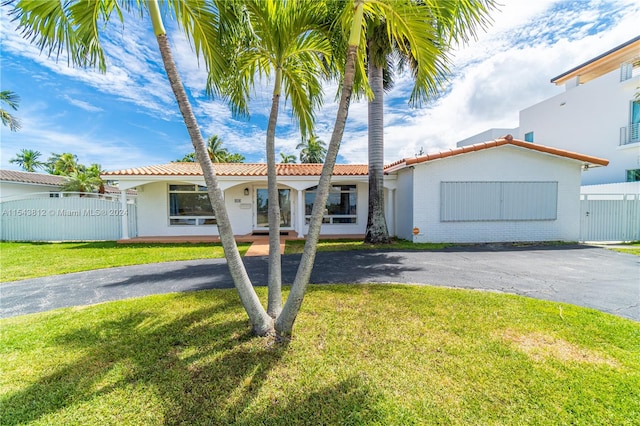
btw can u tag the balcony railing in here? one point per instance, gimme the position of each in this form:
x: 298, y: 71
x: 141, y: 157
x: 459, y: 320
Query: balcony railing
x: 630, y: 134
x: 630, y: 69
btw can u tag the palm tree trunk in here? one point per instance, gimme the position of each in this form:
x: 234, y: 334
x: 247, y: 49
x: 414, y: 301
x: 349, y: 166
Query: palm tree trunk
x: 274, y: 303
x: 377, y: 232
x: 284, y: 322
x: 261, y: 323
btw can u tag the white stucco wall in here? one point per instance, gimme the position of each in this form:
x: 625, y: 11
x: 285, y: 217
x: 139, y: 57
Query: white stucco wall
x: 153, y: 209
x: 587, y: 119
x: 506, y: 163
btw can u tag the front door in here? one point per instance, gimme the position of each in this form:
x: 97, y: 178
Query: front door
x: 262, y: 208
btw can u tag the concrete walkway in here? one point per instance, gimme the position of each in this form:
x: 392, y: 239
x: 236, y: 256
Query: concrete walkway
x: 582, y: 275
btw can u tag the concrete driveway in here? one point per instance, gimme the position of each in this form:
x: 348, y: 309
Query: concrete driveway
x: 582, y: 275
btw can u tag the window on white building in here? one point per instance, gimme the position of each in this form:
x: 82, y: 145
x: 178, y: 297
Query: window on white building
x: 190, y: 205
x: 341, y: 204
x: 528, y: 137
x: 633, y: 175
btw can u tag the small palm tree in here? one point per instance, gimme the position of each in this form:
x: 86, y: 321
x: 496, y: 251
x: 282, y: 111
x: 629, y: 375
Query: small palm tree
x: 82, y: 181
x: 63, y: 164
x: 287, y: 158
x: 313, y: 150
x: 217, y: 153
x: 12, y: 100
x: 28, y: 160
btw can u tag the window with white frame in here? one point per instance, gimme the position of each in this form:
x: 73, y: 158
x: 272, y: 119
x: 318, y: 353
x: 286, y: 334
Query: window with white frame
x: 190, y: 205
x: 341, y: 204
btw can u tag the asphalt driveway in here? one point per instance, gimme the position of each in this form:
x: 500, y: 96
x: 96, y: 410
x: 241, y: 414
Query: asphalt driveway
x: 582, y: 275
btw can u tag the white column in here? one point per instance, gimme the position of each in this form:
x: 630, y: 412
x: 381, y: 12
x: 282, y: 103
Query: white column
x: 301, y: 219
x: 391, y: 220
x: 125, y: 217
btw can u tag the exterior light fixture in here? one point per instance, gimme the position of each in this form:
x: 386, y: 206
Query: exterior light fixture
x: 246, y: 191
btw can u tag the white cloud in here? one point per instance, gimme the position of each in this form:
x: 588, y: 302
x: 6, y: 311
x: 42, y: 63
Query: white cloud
x: 82, y: 104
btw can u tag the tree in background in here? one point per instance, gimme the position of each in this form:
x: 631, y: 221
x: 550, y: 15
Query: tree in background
x: 82, y: 181
x: 217, y: 153
x: 312, y: 150
x: 63, y: 164
x: 12, y: 100
x: 287, y: 158
x: 28, y: 159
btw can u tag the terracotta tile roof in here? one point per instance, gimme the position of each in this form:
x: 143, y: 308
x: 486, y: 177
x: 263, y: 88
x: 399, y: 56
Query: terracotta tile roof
x: 30, y: 177
x: 507, y: 140
x: 240, y: 169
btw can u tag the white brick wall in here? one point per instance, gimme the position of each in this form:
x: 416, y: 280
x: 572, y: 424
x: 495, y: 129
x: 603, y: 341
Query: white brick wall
x: 506, y: 163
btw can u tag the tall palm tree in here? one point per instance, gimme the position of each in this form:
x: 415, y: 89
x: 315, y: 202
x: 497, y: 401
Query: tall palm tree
x: 287, y: 44
x: 404, y: 21
x: 75, y: 26
x: 28, y: 160
x: 426, y: 55
x: 12, y: 100
x: 287, y: 158
x: 312, y: 150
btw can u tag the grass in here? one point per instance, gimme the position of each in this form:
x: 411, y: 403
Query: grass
x: 297, y: 246
x: 30, y: 260
x: 362, y: 354
x: 631, y: 248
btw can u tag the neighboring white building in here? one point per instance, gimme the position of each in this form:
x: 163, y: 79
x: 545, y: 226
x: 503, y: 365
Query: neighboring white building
x: 596, y: 114
x: 13, y: 183
x: 504, y: 190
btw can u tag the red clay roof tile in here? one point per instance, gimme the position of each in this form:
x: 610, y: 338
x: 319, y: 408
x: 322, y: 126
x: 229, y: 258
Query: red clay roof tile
x: 507, y: 140
x: 240, y: 169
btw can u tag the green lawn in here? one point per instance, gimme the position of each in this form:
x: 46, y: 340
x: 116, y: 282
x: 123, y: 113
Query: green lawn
x: 631, y: 248
x: 361, y: 355
x: 30, y: 260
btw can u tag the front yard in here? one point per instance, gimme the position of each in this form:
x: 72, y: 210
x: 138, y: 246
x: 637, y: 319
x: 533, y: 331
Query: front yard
x: 361, y: 355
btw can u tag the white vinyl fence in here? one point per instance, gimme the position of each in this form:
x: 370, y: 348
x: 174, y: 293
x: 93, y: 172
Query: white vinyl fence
x: 65, y: 217
x: 610, y: 217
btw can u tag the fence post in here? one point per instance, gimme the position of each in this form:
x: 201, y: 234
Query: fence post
x: 124, y: 216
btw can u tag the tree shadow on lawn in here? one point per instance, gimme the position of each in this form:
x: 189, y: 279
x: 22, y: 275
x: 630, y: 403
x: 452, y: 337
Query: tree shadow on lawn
x: 196, y: 370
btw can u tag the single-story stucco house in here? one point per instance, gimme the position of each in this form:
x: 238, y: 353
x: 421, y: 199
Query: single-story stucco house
x: 15, y: 184
x: 497, y: 191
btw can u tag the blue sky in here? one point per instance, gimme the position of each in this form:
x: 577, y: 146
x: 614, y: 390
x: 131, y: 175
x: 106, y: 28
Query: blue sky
x: 128, y: 116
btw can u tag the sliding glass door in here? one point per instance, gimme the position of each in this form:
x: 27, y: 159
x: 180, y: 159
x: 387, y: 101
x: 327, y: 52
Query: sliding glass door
x: 262, y: 208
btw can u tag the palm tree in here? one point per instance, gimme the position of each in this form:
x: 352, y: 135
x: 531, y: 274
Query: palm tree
x: 82, y: 181
x: 313, y: 150
x: 217, y: 153
x: 28, y: 160
x: 12, y: 100
x: 426, y: 55
x: 286, y: 43
x: 400, y: 16
x: 75, y: 26
x: 287, y: 158
x: 63, y: 164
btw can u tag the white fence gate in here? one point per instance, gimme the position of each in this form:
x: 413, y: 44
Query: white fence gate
x: 65, y: 217
x: 610, y: 217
